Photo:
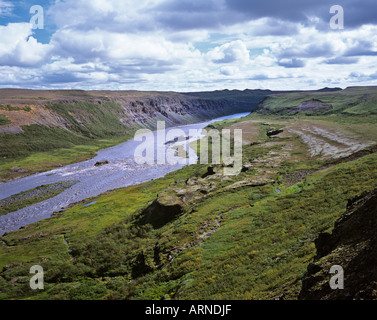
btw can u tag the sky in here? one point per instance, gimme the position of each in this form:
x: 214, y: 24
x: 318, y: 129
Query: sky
x: 187, y: 45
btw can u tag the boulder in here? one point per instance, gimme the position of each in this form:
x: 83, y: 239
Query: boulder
x: 274, y: 132
x: 101, y: 163
x: 164, y: 209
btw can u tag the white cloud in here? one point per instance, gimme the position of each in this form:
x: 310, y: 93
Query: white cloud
x: 229, y: 70
x: 121, y: 51
x: 19, y: 48
x: 235, y: 51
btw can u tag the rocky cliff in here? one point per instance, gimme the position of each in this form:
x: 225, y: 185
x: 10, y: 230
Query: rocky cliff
x: 351, y: 245
x: 134, y: 108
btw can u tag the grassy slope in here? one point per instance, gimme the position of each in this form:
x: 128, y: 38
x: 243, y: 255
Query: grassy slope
x: 250, y: 98
x: 261, y: 250
x: 349, y: 102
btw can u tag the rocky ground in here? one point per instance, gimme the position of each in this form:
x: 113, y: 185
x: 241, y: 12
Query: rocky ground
x: 327, y: 144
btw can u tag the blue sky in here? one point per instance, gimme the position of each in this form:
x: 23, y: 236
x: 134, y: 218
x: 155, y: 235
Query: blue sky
x: 187, y: 45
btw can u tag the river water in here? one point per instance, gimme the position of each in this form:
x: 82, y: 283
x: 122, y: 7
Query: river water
x: 121, y: 171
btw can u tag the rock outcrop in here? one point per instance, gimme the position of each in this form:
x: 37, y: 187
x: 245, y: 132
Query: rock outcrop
x: 312, y: 105
x: 274, y: 132
x: 164, y: 209
x: 351, y: 245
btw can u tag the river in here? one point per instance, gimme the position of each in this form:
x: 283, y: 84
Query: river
x: 120, y: 171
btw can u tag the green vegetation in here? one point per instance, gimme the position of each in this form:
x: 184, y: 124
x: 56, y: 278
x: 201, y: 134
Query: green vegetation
x: 4, y: 120
x: 41, y: 148
x: 48, y: 160
x: 92, y: 120
x: 36, y: 138
x: 9, y: 107
x: 349, y: 102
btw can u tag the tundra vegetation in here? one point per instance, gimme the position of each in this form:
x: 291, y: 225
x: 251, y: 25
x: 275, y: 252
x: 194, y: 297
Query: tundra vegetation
x: 196, y: 234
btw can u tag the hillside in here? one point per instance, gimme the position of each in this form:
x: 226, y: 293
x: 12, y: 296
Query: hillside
x: 197, y: 234
x: 249, y: 97
x: 79, y: 111
x: 348, y: 102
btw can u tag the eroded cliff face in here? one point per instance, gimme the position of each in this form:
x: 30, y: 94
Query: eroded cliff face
x: 134, y: 109
x: 351, y: 245
x: 173, y: 109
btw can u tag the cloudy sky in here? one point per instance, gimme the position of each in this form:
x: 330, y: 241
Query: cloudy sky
x: 187, y: 45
